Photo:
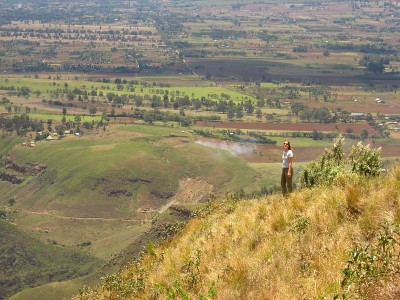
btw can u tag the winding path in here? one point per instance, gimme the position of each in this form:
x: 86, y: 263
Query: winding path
x: 81, y: 218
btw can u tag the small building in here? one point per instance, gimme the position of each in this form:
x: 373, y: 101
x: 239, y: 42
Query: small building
x: 357, y: 116
x: 50, y: 138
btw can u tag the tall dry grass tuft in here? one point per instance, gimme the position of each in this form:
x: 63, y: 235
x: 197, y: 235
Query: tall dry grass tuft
x: 311, y: 245
x: 353, y: 199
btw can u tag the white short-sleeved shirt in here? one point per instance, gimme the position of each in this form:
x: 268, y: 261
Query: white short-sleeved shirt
x: 285, y: 158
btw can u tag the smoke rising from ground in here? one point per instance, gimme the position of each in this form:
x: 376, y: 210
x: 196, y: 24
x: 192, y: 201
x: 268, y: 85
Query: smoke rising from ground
x: 234, y: 148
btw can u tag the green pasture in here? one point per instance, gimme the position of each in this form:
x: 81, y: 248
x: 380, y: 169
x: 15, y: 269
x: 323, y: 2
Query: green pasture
x: 303, y: 142
x: 18, y: 82
x: 44, y: 85
x: 7, y: 143
x: 186, y: 86
x: 181, y: 80
x: 271, y: 172
x: 153, y: 130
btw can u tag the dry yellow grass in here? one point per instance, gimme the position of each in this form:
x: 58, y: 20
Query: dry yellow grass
x: 269, y: 248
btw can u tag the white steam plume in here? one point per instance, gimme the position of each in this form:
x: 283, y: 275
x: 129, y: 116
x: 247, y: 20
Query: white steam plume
x: 234, y: 148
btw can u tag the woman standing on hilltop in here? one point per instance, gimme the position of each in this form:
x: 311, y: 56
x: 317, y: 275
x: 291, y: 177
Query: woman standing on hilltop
x: 287, y: 169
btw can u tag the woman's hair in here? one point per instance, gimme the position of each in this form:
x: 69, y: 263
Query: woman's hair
x: 288, y: 143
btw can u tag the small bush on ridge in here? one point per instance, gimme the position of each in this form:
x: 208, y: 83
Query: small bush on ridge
x: 332, y: 164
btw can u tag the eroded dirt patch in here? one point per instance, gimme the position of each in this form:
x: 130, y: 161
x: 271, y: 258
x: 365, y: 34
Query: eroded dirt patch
x: 190, y: 190
x: 102, y: 147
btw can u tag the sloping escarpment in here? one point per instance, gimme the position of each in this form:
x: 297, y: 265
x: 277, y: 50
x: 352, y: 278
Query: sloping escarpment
x: 27, y: 169
x: 28, y: 262
x: 117, y: 186
x: 171, y: 217
x: 161, y: 228
x: 16, y: 174
x: 10, y: 178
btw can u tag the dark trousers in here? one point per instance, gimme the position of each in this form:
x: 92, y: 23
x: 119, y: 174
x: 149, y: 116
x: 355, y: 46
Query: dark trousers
x: 286, y: 182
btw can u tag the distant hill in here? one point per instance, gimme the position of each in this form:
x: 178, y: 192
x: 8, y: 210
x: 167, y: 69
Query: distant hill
x: 27, y: 262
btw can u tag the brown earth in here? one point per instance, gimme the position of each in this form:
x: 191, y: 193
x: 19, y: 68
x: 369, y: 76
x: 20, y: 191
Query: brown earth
x: 365, y: 107
x: 190, y: 191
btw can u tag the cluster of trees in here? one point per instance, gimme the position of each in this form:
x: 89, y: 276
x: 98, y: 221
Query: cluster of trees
x: 316, y: 135
x: 232, y: 109
x: 4, y: 100
x: 237, y: 135
x: 363, y: 48
x: 221, y: 34
x: 374, y: 64
x: 150, y: 116
x: 88, y: 35
x: 21, y: 124
x: 75, y: 126
x: 23, y: 91
x: 321, y: 115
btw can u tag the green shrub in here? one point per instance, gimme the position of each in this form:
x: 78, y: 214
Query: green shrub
x: 325, y: 168
x: 362, y: 160
x: 376, y: 261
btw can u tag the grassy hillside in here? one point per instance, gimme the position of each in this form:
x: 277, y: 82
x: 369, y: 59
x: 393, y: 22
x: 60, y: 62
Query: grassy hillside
x: 53, y: 290
x: 340, y: 240
x: 102, y: 191
x: 77, y: 190
x: 27, y: 262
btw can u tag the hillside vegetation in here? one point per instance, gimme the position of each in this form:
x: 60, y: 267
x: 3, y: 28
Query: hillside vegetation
x: 337, y: 239
x: 76, y: 190
x: 102, y: 192
x: 27, y: 262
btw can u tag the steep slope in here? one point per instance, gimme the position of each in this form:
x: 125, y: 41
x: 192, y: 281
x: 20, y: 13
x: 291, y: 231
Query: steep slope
x: 102, y: 192
x: 105, y: 188
x: 331, y: 241
x: 27, y: 262
x: 165, y: 225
